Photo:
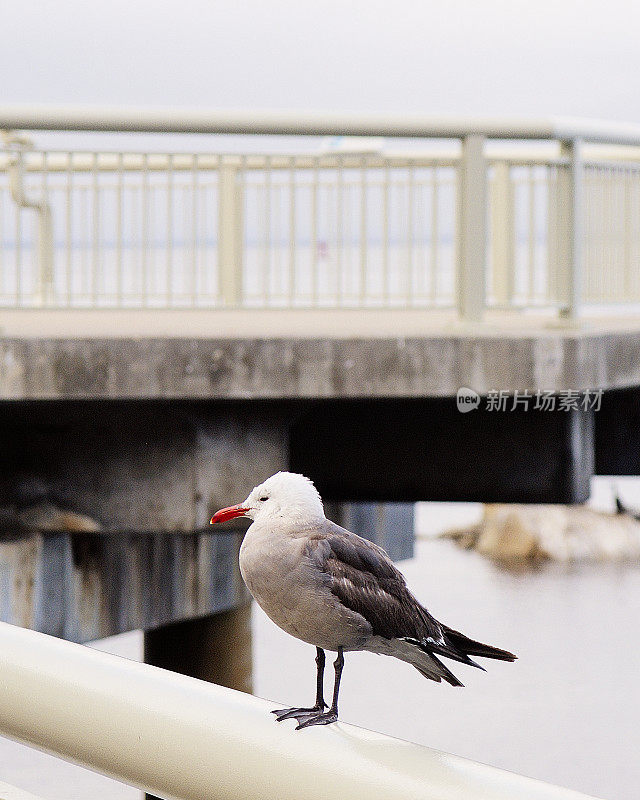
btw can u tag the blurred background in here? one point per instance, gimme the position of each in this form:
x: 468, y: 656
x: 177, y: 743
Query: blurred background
x: 185, y: 312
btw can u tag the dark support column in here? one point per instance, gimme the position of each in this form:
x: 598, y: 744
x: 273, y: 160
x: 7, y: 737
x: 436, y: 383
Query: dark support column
x: 216, y: 648
x: 390, y: 525
x: 617, y: 433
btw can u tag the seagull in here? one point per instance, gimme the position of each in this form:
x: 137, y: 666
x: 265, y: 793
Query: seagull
x: 337, y: 591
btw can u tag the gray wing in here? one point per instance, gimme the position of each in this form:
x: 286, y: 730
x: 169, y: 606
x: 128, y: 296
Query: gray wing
x: 364, y: 579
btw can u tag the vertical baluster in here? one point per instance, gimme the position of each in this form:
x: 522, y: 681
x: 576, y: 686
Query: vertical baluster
x: 276, y: 212
x: 471, y: 223
x: 612, y: 228
x: 596, y: 220
x: 2, y: 249
x: 363, y: 232
x: 573, y: 228
x: 152, y: 278
x: 410, y: 233
x: 601, y: 281
x: 292, y: 232
x: 144, y: 235
x: 339, y: 229
x: 598, y: 262
x: 625, y: 286
x: 45, y: 238
x: 433, y: 281
x: 314, y: 233
x: 502, y: 234
x: 84, y: 278
x: 231, y: 191
x: 621, y: 248
x: 552, y: 232
x: 589, y: 221
x: 267, y: 232
x: 95, y: 229
x: 241, y: 231
x: 385, y: 235
x: 185, y: 195
x: 419, y: 263
x: 18, y: 236
x: 194, y: 229
x: 347, y: 227
x: 593, y: 244
x: 632, y: 276
x: 119, y: 226
x: 598, y: 282
x: 593, y: 275
x: 532, y: 236
x: 608, y: 267
x: 169, y: 238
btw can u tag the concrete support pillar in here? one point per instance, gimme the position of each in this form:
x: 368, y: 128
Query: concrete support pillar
x: 390, y: 525
x: 216, y: 648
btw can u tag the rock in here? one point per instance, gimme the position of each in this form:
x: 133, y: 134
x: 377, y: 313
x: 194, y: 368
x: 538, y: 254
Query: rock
x: 529, y: 533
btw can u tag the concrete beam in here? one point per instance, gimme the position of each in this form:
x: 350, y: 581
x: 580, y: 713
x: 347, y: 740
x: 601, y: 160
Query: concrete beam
x: 410, y: 450
x: 226, y: 368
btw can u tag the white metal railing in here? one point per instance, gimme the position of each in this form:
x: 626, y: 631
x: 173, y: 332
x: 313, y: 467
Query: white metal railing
x: 469, y: 229
x: 9, y: 792
x: 184, y: 739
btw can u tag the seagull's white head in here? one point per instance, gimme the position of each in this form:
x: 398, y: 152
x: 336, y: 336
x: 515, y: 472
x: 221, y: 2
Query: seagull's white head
x: 285, y: 496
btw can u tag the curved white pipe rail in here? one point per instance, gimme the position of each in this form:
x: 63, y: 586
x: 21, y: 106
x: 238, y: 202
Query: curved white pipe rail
x: 313, y: 123
x: 181, y: 738
x: 10, y: 792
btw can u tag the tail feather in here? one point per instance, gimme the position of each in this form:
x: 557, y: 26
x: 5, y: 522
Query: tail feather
x: 473, y: 648
x: 443, y: 649
x: 443, y: 672
x: 411, y: 651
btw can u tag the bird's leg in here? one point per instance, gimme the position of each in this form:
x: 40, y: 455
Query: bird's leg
x: 320, y: 659
x: 325, y: 718
x: 287, y: 713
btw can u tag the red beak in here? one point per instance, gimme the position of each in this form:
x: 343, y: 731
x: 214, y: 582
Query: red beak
x: 225, y: 514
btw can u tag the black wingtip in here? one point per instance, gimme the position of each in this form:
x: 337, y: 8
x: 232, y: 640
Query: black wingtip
x: 473, y: 648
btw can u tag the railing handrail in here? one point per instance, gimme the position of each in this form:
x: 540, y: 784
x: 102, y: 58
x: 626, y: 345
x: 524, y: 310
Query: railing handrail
x: 311, y: 123
x: 185, y: 739
x: 473, y: 183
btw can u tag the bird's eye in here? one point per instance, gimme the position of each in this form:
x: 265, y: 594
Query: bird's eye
x: 262, y: 499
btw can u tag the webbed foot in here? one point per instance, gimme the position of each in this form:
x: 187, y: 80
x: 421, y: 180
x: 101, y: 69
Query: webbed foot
x: 294, y: 713
x: 325, y: 718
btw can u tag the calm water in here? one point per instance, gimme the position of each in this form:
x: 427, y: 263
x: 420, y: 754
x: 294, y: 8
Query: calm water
x: 566, y: 711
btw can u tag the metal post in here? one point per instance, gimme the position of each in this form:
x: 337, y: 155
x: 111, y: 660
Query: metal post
x: 17, y: 144
x: 571, y: 203
x: 45, y: 253
x: 215, y: 648
x: 503, y: 235
x: 472, y: 228
x: 230, y: 234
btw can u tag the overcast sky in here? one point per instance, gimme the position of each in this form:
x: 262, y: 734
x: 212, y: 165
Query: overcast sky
x: 463, y: 56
